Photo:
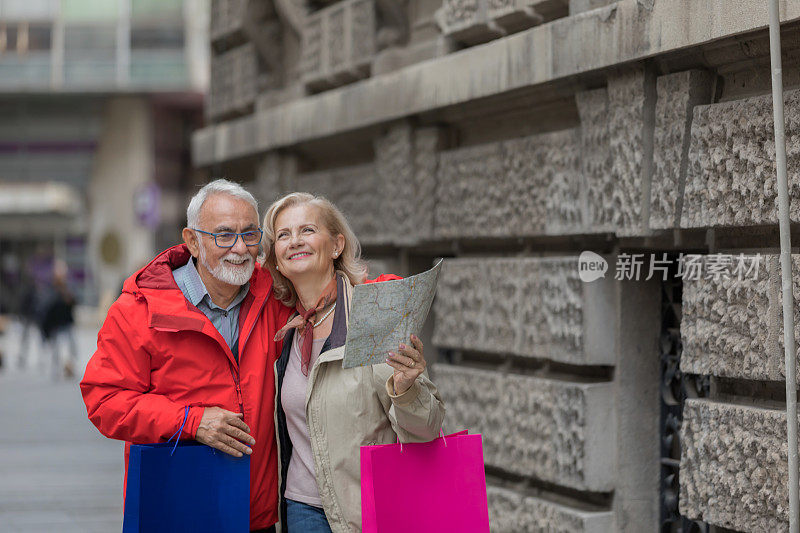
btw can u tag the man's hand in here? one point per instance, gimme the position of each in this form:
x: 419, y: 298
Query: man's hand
x: 225, y: 431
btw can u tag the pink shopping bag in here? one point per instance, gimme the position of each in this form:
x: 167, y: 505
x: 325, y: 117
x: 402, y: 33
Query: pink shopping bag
x: 443, y: 480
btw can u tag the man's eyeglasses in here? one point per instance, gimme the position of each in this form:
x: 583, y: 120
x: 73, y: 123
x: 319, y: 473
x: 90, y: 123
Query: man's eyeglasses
x: 228, y: 240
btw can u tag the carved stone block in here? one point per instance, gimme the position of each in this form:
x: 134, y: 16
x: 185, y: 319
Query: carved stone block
x: 560, y: 162
x: 394, y: 165
x: 467, y: 21
x: 734, y: 327
x: 596, y: 160
x: 678, y: 94
x: 511, y: 188
x: 512, y: 512
x: 533, y: 307
x: 477, y: 21
x: 468, y: 202
x: 227, y: 17
x: 556, y: 431
x: 338, y: 44
x: 731, y: 179
x: 233, y: 82
x: 734, y: 466
x: 427, y: 145
x: 630, y: 123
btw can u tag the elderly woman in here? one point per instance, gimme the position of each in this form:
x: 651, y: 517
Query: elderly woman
x: 324, y: 412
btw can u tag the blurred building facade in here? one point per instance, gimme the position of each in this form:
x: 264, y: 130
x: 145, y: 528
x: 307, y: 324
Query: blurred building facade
x: 510, y: 137
x: 97, y: 102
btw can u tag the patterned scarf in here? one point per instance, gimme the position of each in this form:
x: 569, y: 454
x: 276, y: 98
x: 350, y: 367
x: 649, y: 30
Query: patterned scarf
x: 302, y: 322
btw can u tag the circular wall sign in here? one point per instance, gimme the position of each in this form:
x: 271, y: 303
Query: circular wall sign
x: 110, y: 248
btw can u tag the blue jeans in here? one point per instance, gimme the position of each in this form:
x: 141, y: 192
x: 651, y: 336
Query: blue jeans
x: 304, y: 518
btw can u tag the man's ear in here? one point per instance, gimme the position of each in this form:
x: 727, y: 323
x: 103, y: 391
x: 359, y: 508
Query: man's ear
x: 190, y: 238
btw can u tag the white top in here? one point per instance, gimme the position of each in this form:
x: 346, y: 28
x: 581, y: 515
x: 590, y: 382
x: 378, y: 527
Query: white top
x: 301, y: 484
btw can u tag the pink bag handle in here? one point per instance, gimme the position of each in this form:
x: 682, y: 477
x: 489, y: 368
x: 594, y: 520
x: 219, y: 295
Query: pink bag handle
x: 441, y: 435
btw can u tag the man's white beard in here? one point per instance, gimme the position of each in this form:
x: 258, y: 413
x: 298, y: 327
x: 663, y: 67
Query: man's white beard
x: 227, y: 274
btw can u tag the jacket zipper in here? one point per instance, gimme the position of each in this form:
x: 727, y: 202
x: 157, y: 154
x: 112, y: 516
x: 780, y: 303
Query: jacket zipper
x: 239, y: 392
x: 235, y: 369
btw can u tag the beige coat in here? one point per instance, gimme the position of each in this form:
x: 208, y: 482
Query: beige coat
x: 349, y: 408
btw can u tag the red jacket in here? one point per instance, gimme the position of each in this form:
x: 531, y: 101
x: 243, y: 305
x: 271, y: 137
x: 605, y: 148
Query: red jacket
x: 157, y: 353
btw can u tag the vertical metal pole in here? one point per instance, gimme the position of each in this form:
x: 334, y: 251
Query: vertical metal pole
x: 786, y: 261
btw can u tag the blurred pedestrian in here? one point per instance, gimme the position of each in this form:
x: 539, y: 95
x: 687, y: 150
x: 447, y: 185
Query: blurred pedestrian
x: 57, y: 325
x: 31, y: 316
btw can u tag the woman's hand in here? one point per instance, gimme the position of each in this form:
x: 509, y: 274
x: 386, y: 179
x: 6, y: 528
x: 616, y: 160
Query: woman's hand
x: 408, y: 364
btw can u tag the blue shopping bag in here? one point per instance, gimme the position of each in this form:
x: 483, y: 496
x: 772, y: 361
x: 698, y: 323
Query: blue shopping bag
x: 188, y: 488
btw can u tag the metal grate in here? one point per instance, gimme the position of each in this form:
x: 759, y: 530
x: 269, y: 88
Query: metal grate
x: 675, y: 388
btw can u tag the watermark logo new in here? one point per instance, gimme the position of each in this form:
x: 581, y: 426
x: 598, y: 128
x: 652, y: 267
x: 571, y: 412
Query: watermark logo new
x: 591, y: 266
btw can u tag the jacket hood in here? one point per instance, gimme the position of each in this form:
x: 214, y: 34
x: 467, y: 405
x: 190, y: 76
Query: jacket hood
x: 169, y: 310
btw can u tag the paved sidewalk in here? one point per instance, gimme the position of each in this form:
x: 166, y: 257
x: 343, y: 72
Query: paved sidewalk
x: 57, y: 473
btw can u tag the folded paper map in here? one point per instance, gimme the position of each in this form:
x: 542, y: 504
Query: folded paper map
x: 385, y: 314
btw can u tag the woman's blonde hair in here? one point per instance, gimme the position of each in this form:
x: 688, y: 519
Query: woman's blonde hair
x: 348, y: 262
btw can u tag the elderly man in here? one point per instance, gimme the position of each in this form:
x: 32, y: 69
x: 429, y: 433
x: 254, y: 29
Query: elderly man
x: 195, y: 328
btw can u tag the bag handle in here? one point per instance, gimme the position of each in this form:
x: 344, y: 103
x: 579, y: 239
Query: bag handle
x: 441, y: 435
x: 178, y: 433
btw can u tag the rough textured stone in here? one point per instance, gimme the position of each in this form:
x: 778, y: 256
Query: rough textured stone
x: 534, y: 307
x: 465, y: 204
x: 466, y: 21
x: 475, y: 21
x: 313, y: 46
x: 555, y: 431
x: 631, y: 101
x: 458, y: 14
x: 678, y: 94
x: 598, y: 192
x: 353, y: 190
x: 338, y: 44
x: 734, y: 466
x: 551, y: 309
x: 337, y: 37
x: 512, y: 188
x: 513, y: 512
x: 427, y: 144
x: 562, y: 166
x: 364, y: 28
x: 226, y: 17
x: 406, y: 163
x: 731, y: 179
x: 233, y: 82
x: 394, y: 167
x: 734, y: 327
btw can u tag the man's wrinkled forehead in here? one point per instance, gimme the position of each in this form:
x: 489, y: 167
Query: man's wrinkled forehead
x: 228, y: 212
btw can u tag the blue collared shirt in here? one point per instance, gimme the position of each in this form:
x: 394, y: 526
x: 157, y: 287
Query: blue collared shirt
x: 225, y: 320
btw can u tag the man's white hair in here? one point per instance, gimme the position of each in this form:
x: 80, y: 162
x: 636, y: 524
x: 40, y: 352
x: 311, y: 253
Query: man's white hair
x: 218, y: 186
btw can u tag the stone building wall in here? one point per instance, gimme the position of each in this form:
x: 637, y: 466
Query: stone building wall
x: 508, y: 138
